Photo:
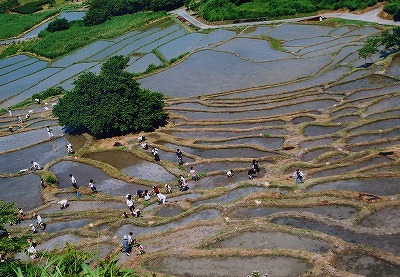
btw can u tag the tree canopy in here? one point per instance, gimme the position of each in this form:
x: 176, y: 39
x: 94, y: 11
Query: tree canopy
x: 111, y: 103
x: 103, y: 10
x: 389, y: 40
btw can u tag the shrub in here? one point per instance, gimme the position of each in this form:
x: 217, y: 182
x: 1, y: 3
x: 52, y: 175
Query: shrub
x: 396, y: 15
x: 49, y: 93
x: 102, y: 10
x: 31, y: 7
x: 8, y: 5
x: 51, y: 179
x: 392, y: 6
x: 58, y: 25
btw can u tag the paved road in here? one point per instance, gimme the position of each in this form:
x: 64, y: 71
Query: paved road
x: 371, y: 16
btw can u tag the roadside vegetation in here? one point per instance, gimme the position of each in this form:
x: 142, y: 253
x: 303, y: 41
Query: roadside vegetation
x: 217, y: 10
x: 393, y: 7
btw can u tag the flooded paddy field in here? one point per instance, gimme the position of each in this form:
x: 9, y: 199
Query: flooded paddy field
x: 336, y: 212
x: 386, y: 242
x: 227, y: 266
x: 365, y: 265
x: 271, y: 240
x: 232, y: 99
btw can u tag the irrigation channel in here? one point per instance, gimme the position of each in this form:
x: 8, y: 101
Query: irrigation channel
x: 313, y: 105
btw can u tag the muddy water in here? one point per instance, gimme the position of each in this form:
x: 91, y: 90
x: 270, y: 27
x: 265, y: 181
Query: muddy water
x: 345, y: 119
x: 378, y: 125
x: 218, y: 166
x: 387, y: 217
x: 336, y: 212
x: 344, y: 111
x: 78, y: 206
x: 355, y: 166
x: 267, y: 142
x: 310, y: 155
x: 223, y: 152
x: 42, y: 153
x: 389, y: 186
x: 222, y: 180
x: 132, y: 165
x: 174, y: 199
x: 371, y: 137
x: 315, y: 130
x: 169, y: 211
x: 372, y: 81
x: 202, y: 215
x: 333, y: 158
x: 387, y: 242
x: 83, y: 173
x: 366, y: 265
x: 226, y: 125
x: 272, y: 240
x: 276, y: 266
x: 315, y: 142
x: 229, y: 196
x: 24, y: 190
x: 58, y: 242
x: 71, y: 224
x: 302, y: 119
x: 394, y: 68
x: 77, y: 141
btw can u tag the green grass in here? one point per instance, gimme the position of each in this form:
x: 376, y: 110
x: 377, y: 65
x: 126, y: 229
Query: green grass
x: 275, y: 44
x: 54, y: 45
x: 343, y: 22
x: 12, y: 25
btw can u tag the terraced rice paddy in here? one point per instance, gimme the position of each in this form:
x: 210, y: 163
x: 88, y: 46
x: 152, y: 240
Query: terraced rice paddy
x: 232, y: 99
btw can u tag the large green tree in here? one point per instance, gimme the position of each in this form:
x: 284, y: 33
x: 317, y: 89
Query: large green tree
x: 389, y: 40
x: 111, y: 103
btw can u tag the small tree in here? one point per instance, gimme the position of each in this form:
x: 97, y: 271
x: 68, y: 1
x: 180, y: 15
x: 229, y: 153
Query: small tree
x: 370, y: 48
x: 389, y: 39
x: 58, y: 25
x: 111, y: 103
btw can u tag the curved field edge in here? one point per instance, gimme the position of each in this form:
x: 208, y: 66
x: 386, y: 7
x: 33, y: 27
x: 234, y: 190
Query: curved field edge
x: 57, y: 44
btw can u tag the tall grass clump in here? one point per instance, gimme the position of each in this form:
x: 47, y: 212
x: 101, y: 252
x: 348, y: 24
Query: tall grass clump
x: 12, y: 25
x: 54, y: 45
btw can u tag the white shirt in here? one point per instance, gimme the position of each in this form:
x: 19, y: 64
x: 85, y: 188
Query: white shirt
x: 35, y: 165
x: 193, y: 173
x: 31, y: 250
x: 161, y: 197
x: 73, y: 180
x: 183, y: 181
x: 229, y: 173
x: 300, y: 174
x: 63, y: 202
x: 147, y: 196
x: 39, y: 219
x: 129, y: 202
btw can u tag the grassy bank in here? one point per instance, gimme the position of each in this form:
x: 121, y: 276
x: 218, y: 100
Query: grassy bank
x: 12, y: 25
x: 54, y: 45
